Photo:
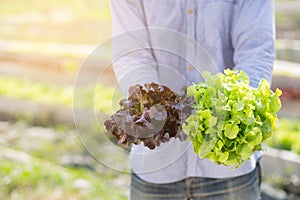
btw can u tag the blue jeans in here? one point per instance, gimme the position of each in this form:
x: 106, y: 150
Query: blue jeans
x: 246, y: 187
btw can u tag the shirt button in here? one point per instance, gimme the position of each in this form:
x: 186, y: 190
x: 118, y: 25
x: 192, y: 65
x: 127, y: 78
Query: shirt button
x: 190, y: 11
x: 190, y: 39
x: 190, y: 68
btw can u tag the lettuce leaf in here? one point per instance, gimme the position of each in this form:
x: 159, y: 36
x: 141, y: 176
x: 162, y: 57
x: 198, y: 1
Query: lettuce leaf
x: 231, y: 119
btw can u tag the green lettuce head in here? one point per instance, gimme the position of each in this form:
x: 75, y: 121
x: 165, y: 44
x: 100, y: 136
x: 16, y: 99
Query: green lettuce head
x: 231, y: 119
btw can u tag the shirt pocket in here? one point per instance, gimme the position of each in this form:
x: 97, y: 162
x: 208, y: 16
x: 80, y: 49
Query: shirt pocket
x: 217, y: 23
x: 164, y: 14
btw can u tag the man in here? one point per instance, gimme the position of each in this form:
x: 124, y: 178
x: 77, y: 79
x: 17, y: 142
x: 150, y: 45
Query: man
x: 171, y: 42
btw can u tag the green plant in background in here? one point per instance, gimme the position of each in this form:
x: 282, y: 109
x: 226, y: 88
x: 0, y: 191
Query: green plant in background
x: 39, y: 162
x: 55, y: 21
x: 36, y: 180
x: 98, y: 98
x: 286, y: 136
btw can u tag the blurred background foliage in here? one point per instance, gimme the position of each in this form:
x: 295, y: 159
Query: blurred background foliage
x: 42, y: 46
x: 67, y: 21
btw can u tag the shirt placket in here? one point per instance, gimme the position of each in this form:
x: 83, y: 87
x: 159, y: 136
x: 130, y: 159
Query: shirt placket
x: 190, y: 43
x: 190, y: 68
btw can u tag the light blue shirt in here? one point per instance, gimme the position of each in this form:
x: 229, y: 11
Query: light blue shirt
x: 171, y: 42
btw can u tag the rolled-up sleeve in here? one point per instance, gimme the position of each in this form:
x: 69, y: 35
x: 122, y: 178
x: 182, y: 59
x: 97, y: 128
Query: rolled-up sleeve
x: 253, y: 39
x: 133, y: 59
